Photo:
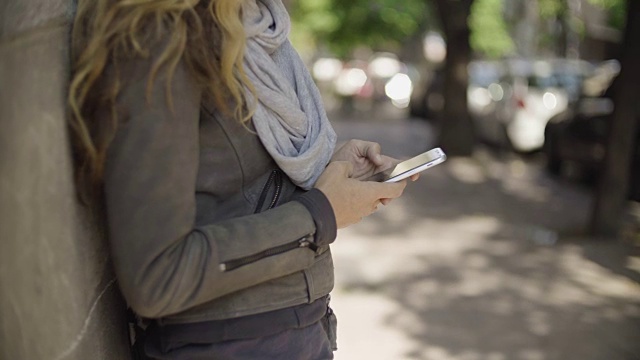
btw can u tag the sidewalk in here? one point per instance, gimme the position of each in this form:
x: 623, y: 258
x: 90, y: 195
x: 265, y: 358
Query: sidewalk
x: 481, y: 259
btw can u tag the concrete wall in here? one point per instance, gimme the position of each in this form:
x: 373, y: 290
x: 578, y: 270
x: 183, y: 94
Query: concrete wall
x: 58, y: 296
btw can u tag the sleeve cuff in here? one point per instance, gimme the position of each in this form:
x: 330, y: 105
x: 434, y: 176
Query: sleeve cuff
x: 322, y: 213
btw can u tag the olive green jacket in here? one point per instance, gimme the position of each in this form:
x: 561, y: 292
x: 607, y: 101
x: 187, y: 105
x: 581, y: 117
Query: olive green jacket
x: 202, y: 223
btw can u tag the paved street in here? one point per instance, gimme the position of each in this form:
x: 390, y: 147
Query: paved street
x: 481, y: 259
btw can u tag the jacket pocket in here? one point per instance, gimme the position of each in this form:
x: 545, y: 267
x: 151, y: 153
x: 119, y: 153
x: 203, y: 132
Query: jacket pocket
x: 303, y: 242
x: 269, y: 197
x: 271, y: 191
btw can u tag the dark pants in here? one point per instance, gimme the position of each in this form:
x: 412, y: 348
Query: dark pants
x: 308, y: 343
x: 303, y: 332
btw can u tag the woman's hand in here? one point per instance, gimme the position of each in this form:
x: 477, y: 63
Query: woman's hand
x: 352, y: 199
x: 365, y: 157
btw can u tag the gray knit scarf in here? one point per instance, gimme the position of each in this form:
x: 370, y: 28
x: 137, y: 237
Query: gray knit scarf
x: 289, y: 115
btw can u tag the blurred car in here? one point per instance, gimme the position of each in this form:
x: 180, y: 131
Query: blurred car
x: 360, y: 84
x: 510, y: 101
x: 532, y: 92
x: 427, y: 100
x: 392, y: 79
x: 485, y: 97
x: 575, y: 140
x: 353, y: 80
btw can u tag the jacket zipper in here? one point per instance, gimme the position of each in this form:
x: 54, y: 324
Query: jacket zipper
x: 276, y: 177
x: 306, y: 241
x: 276, y: 195
x: 303, y: 242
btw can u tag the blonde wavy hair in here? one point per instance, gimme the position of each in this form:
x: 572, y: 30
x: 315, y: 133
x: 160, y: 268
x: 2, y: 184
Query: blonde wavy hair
x: 207, y: 35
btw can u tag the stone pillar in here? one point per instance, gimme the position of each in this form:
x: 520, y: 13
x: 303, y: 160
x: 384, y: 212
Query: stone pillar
x: 58, y: 294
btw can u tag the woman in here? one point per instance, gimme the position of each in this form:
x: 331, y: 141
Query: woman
x: 205, y: 136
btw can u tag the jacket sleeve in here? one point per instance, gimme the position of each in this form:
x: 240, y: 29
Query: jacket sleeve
x: 164, y: 263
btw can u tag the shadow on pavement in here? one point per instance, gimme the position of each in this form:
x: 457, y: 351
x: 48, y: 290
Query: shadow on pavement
x: 488, y: 259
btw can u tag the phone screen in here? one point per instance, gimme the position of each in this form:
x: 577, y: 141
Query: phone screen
x: 412, y: 166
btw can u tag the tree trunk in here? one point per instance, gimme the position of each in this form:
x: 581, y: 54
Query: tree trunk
x: 456, y: 135
x: 611, y: 197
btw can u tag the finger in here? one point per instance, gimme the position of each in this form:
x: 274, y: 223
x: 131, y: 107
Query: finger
x: 415, y: 177
x: 375, y: 205
x: 372, y: 152
x: 388, y: 162
x: 385, y: 201
x: 391, y: 190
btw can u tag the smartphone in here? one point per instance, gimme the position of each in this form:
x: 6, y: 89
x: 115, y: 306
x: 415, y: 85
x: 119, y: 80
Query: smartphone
x: 409, y: 167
